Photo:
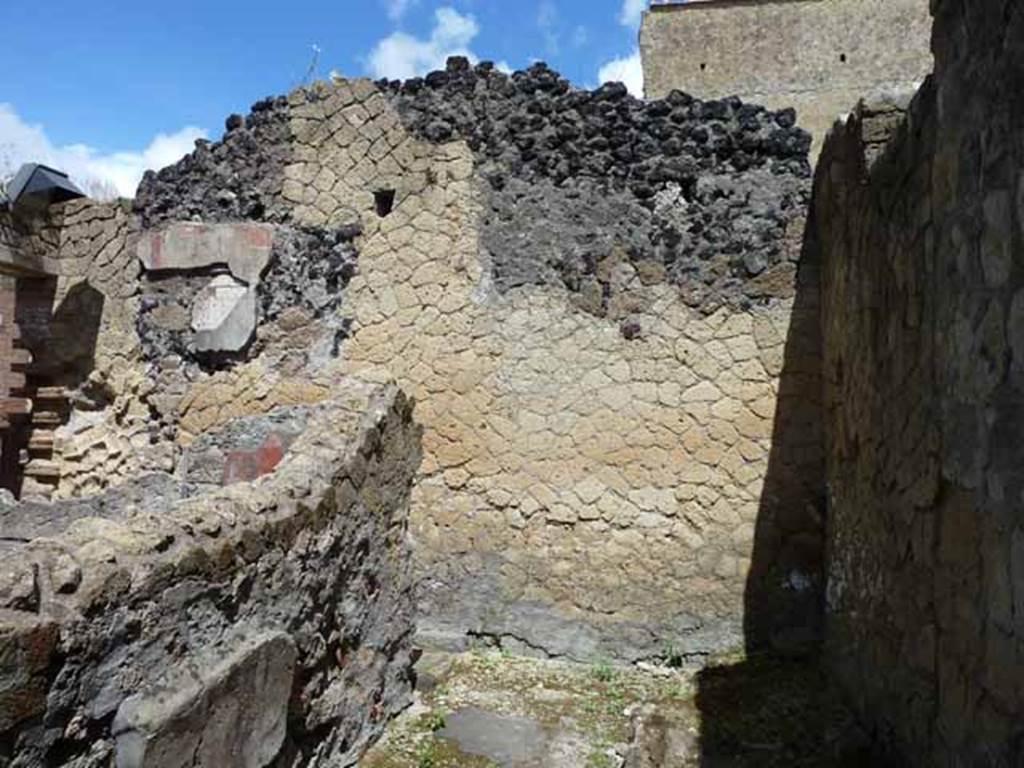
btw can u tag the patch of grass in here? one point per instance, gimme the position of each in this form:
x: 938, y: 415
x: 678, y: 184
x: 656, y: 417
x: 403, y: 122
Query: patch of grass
x: 672, y: 656
x: 487, y: 657
x: 604, y: 671
x: 477, y: 650
x: 440, y: 692
x: 432, y: 721
x: 591, y: 706
x: 589, y: 700
x: 677, y: 689
x: 427, y: 755
x: 615, y: 697
x: 599, y: 758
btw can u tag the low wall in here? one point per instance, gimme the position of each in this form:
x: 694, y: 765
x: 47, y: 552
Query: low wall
x: 919, y: 209
x: 24, y: 250
x: 269, y: 620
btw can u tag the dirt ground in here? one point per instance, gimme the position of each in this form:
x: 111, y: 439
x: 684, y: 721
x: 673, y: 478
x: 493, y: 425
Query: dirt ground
x: 487, y: 709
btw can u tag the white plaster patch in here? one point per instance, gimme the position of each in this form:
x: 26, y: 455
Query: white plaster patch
x: 224, y: 315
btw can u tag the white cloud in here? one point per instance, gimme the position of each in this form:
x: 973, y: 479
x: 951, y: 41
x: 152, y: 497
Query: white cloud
x: 631, y: 13
x: 547, y: 22
x: 397, y: 8
x: 21, y: 142
x: 627, y: 70
x: 401, y: 56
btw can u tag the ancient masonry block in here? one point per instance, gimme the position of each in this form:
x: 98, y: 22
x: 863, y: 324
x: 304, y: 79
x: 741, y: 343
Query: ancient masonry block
x: 224, y: 315
x: 227, y: 710
x: 244, y: 248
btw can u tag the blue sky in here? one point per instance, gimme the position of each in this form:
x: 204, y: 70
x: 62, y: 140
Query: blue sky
x: 107, y: 88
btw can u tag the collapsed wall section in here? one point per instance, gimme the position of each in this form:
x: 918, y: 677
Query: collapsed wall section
x: 919, y: 209
x: 702, y: 192
x: 267, y: 622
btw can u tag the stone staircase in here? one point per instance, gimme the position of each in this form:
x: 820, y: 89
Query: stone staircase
x: 29, y: 416
x: 40, y: 460
x: 31, y: 407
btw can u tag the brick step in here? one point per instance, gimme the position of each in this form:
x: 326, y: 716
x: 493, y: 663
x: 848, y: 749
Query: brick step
x: 20, y: 357
x: 15, y: 406
x: 41, y: 468
x: 47, y: 419
x: 44, y: 398
x: 50, y: 393
x: 16, y: 381
x: 33, y: 490
x: 41, y: 440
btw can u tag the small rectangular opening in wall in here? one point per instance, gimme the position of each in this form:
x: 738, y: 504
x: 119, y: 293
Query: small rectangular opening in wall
x: 384, y: 200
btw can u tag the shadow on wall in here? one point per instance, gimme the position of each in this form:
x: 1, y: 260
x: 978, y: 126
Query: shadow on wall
x: 65, y: 354
x: 62, y: 342
x: 772, y: 705
x: 782, y: 602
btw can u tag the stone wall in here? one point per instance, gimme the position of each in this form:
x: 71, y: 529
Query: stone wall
x: 267, y: 621
x: 589, y: 299
x: 77, y: 324
x: 817, y: 56
x: 919, y: 209
x: 26, y: 242
x: 8, y: 240
x: 592, y: 300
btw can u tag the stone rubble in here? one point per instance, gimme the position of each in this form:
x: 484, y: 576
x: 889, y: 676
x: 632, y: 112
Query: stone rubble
x: 270, y: 619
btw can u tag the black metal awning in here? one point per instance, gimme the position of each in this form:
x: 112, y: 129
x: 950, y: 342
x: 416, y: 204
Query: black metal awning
x: 41, y: 184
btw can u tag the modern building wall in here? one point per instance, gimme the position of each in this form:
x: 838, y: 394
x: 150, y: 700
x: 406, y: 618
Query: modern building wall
x: 817, y: 56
